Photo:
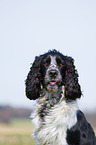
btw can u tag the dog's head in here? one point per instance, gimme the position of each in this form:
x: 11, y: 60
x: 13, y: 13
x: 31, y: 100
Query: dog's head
x: 50, y: 71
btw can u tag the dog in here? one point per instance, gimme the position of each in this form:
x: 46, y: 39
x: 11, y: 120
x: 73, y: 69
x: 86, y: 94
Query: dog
x: 53, y: 82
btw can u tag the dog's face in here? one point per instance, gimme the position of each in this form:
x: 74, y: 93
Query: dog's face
x: 52, y: 68
x: 50, y: 71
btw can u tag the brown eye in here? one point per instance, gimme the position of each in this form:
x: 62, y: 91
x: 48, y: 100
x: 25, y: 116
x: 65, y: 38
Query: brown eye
x: 61, y: 64
x: 46, y: 63
x: 59, y: 61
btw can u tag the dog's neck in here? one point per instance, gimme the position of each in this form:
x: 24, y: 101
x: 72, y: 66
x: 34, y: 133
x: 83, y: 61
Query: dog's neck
x: 51, y: 97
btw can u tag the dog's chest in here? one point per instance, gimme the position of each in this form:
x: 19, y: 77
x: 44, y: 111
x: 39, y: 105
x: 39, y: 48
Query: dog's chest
x: 53, y: 130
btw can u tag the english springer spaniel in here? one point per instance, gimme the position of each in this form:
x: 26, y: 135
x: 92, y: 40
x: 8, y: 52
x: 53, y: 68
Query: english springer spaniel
x: 53, y: 82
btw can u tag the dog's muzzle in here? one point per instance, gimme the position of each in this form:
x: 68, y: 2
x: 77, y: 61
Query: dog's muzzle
x: 53, y: 79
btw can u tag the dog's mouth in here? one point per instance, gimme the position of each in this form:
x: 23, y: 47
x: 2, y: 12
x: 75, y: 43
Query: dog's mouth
x: 53, y: 83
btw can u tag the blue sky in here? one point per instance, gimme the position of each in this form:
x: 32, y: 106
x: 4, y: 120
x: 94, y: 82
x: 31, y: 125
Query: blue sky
x: 29, y: 28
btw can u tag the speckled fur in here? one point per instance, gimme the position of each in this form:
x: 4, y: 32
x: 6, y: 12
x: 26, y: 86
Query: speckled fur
x: 52, y: 130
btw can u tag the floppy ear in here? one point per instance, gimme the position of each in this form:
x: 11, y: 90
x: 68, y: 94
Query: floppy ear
x: 72, y: 87
x: 33, y: 80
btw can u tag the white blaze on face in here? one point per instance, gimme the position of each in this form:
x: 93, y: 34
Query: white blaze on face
x: 52, y: 83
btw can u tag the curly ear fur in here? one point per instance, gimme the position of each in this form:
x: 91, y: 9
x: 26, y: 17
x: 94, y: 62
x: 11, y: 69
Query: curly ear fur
x: 33, y: 80
x: 72, y: 87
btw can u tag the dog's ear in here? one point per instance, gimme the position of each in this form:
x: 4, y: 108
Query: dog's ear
x: 33, y: 80
x: 72, y: 87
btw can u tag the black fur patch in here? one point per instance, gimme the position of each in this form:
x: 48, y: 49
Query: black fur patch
x: 82, y: 133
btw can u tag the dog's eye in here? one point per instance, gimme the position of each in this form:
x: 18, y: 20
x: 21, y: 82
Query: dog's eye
x: 47, y: 61
x: 59, y: 62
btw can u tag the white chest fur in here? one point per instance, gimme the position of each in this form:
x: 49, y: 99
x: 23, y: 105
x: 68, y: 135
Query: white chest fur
x: 53, y: 131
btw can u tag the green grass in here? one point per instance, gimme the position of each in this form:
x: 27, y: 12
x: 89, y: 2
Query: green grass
x: 18, y: 132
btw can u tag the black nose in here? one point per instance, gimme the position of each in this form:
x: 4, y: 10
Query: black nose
x: 53, y: 73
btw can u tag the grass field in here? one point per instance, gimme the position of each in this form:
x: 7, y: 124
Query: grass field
x: 18, y: 132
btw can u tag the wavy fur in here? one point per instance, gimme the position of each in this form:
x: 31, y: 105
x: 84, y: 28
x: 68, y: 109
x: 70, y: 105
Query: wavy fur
x: 53, y: 82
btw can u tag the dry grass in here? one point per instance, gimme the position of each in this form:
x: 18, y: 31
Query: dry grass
x: 16, y: 133
x: 8, y: 130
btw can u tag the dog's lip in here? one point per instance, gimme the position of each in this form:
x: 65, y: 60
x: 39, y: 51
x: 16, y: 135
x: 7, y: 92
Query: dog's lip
x: 52, y: 82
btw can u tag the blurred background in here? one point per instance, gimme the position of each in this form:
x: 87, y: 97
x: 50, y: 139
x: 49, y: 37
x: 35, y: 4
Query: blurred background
x: 29, y: 28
